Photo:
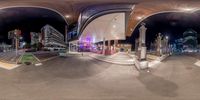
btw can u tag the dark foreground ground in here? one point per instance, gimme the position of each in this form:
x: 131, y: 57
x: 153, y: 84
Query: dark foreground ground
x: 83, y: 78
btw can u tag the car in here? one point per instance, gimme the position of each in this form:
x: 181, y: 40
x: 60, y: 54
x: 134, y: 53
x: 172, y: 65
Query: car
x: 62, y: 53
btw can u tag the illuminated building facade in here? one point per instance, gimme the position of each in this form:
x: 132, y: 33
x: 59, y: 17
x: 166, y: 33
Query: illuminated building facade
x: 52, y: 38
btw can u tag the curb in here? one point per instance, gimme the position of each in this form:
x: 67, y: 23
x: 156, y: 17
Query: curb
x: 158, y: 60
x: 163, y: 57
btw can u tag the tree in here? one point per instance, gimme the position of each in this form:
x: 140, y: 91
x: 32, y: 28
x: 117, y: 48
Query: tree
x: 27, y: 45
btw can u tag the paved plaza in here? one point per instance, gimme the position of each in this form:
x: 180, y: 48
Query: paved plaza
x: 9, y: 57
x: 84, y: 78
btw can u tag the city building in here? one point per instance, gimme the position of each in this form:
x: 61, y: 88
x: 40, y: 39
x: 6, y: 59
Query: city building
x: 190, y: 39
x: 178, y: 45
x: 53, y: 39
x: 188, y: 43
x: 15, y: 36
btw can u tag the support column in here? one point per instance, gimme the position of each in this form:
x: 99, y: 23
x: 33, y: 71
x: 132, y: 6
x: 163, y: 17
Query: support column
x: 69, y: 46
x: 159, y: 45
x: 76, y: 46
x: 115, y: 44
x: 109, y: 46
x: 136, y: 46
x: 141, y: 62
x: 104, y: 46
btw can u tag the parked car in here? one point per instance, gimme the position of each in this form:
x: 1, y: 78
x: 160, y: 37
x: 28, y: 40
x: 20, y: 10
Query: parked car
x: 62, y: 53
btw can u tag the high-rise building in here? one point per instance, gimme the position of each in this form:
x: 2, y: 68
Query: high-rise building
x: 190, y: 39
x: 15, y: 36
x: 53, y: 39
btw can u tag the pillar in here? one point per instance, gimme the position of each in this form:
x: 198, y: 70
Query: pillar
x: 136, y: 45
x: 69, y: 47
x: 142, y: 43
x: 115, y: 44
x: 104, y: 46
x: 109, y: 46
x: 141, y: 62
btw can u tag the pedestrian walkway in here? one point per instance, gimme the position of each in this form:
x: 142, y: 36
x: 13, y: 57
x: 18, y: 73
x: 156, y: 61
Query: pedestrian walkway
x: 9, y: 57
x: 8, y: 66
x: 121, y: 58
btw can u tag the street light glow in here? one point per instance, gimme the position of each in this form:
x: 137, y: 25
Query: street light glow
x: 167, y: 37
x: 139, y: 17
x: 188, y: 9
x: 67, y: 16
x: 114, y: 26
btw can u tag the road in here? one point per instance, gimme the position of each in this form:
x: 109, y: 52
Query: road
x: 43, y: 55
x: 84, y: 78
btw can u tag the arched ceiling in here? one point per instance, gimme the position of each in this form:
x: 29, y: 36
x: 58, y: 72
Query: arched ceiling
x: 65, y: 7
x: 143, y: 8
x: 146, y: 9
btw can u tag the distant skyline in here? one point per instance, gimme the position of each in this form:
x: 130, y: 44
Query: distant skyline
x: 33, y: 19
x: 171, y: 24
x: 28, y: 20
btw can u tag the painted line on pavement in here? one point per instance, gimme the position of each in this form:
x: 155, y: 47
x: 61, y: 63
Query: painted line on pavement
x: 8, y: 66
x: 49, y: 58
x: 20, y: 58
x: 35, y: 57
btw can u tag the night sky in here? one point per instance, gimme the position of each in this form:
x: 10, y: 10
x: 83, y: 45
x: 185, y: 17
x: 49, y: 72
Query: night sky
x: 33, y: 19
x: 170, y: 24
x: 28, y: 20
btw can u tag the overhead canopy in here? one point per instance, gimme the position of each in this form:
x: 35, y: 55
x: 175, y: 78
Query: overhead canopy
x: 110, y: 27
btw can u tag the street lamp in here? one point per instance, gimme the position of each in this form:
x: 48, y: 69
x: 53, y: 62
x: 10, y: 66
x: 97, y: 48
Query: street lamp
x: 167, y: 44
x: 167, y: 37
x: 188, y: 9
x: 67, y: 16
x: 139, y: 17
x: 17, y: 34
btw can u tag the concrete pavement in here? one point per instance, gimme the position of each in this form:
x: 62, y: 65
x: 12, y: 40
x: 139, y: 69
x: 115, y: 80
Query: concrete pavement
x: 84, y: 78
x: 121, y: 58
x: 8, y: 60
x: 9, y: 57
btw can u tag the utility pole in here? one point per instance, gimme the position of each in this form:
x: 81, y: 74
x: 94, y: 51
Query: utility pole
x: 17, y: 35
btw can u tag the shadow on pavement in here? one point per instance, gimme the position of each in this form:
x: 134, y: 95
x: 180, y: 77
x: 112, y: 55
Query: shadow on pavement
x: 158, y: 85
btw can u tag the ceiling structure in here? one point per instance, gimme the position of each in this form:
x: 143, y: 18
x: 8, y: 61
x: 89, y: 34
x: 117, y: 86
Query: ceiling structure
x: 108, y: 27
x: 71, y: 9
x: 68, y: 8
x: 144, y: 10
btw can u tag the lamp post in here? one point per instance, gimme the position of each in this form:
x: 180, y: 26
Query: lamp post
x: 17, y: 34
x: 167, y: 44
